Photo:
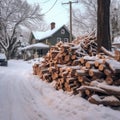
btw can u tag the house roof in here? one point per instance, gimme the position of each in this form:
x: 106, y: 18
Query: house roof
x: 116, y: 40
x: 37, y: 46
x: 43, y: 35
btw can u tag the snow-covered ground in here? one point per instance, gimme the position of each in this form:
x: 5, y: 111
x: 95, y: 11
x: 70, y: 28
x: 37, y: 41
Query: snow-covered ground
x: 24, y: 96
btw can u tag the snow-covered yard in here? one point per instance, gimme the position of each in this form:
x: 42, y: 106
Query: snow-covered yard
x: 24, y: 96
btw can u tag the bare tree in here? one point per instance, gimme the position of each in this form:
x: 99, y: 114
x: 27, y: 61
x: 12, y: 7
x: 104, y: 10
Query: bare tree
x: 13, y: 14
x: 85, y: 18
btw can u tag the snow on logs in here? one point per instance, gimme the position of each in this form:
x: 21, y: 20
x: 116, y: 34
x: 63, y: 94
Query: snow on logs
x: 75, y: 69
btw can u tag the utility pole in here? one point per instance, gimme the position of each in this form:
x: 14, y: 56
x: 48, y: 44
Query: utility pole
x: 70, y: 5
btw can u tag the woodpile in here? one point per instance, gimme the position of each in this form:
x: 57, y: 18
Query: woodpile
x: 74, y: 68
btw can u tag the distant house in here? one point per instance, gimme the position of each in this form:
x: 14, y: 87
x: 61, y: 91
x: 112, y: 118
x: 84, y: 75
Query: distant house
x: 116, y: 42
x: 40, y: 42
x: 34, y: 50
x: 52, y: 36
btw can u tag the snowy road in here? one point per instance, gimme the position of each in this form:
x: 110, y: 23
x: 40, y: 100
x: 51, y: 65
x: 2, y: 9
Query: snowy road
x: 17, y: 96
x: 25, y: 97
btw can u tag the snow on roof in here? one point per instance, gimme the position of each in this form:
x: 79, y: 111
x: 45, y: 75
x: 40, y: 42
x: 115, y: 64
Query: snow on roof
x: 116, y: 40
x: 42, y: 35
x: 37, y: 45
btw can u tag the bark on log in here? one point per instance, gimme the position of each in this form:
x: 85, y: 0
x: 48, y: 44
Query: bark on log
x: 111, y: 90
x: 105, y: 100
x: 113, y: 65
x: 96, y: 72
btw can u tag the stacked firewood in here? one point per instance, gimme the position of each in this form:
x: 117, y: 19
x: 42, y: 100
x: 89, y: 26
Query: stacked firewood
x: 96, y: 78
x: 86, y: 45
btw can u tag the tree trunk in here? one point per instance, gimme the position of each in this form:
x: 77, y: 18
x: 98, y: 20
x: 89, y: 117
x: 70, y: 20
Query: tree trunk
x: 103, y: 24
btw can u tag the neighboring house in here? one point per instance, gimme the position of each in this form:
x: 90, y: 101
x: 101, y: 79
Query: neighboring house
x: 52, y: 36
x: 33, y: 51
x: 116, y: 42
x: 42, y: 41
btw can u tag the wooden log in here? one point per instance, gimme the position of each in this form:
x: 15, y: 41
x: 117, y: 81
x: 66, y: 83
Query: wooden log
x: 117, y: 55
x: 105, y: 100
x: 96, y: 72
x: 107, y: 72
x: 70, y: 80
x: 101, y: 67
x: 81, y: 73
x: 92, y: 89
x: 109, y: 80
x: 47, y: 77
x: 64, y: 74
x: 45, y: 70
x: 112, y: 80
x: 107, y: 52
x: 111, y: 90
x: 54, y: 53
x: 89, y: 64
x: 88, y: 92
x: 113, y: 65
x: 64, y: 48
x: 52, y: 69
x: 75, y: 62
x: 73, y: 57
x: 82, y: 61
x: 54, y: 76
x: 67, y: 58
x: 82, y: 79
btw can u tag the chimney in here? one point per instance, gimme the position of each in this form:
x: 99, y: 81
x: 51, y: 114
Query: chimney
x: 52, y: 25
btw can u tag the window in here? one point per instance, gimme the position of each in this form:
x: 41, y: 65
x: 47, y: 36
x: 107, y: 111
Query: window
x: 65, y: 39
x: 58, y: 39
x: 33, y: 41
x: 62, y: 31
x: 46, y: 41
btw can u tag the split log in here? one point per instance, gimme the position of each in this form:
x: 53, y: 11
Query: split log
x: 113, y: 65
x: 117, y: 55
x: 64, y: 48
x: 105, y: 100
x: 90, y: 64
x: 111, y: 90
x: 101, y: 67
x: 98, y: 62
x: 67, y: 58
x: 107, y: 72
x: 54, y: 76
x: 47, y: 77
x: 109, y: 80
x: 52, y: 69
x: 64, y: 74
x: 81, y: 73
x: 75, y: 62
x: 96, y: 72
x: 83, y: 79
x: 70, y: 80
x: 92, y: 89
x: 107, y: 52
x: 73, y: 56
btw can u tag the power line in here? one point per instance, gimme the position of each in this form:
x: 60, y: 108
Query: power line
x: 50, y: 8
x: 45, y: 1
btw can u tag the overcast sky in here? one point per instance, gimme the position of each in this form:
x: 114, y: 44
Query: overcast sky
x: 58, y: 14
